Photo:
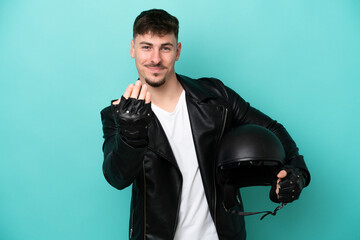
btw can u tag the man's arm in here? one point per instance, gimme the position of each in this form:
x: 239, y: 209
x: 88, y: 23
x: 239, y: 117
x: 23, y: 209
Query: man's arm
x: 243, y: 113
x: 125, y: 133
x: 295, y: 175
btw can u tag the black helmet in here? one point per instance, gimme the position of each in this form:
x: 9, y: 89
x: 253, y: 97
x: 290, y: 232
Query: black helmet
x: 249, y: 155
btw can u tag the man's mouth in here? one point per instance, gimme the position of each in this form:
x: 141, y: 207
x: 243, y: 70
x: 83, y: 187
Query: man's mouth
x: 155, y: 68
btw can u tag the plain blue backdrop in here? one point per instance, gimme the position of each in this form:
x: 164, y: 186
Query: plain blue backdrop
x: 61, y: 62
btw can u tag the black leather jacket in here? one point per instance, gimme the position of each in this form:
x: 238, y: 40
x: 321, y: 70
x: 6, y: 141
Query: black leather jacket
x: 153, y: 172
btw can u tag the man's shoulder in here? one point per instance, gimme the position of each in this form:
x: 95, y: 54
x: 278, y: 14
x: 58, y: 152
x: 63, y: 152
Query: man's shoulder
x: 206, y: 81
x: 203, y: 88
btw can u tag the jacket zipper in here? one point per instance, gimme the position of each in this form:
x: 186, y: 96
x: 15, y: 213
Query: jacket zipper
x: 221, y: 134
x: 132, y: 223
x: 144, y: 201
x: 177, y: 214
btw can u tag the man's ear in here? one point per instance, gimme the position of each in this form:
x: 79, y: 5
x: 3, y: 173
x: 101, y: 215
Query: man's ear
x: 132, y: 50
x: 178, y: 50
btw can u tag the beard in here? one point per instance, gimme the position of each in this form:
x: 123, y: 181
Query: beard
x: 155, y: 84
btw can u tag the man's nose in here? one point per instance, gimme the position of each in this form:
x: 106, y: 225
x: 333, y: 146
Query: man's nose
x: 155, y: 57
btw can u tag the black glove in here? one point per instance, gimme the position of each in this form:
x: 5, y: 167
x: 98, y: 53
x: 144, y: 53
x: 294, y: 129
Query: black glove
x: 132, y: 118
x: 290, y: 186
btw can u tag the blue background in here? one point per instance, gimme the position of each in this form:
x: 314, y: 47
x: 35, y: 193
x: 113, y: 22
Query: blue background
x: 61, y: 62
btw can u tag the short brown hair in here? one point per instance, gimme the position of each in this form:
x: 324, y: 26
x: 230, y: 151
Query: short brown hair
x: 156, y: 21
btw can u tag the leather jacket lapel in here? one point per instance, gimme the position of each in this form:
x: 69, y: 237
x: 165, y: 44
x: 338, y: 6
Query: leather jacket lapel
x: 159, y: 143
x: 206, y: 121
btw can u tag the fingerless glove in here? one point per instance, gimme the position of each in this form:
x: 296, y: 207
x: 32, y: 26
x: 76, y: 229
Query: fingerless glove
x: 290, y: 186
x: 132, y: 118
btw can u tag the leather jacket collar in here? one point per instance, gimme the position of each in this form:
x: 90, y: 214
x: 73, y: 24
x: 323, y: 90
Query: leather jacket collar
x: 193, y: 89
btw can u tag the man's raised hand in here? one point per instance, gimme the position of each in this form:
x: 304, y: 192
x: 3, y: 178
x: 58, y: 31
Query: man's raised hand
x: 133, y: 114
x: 133, y: 91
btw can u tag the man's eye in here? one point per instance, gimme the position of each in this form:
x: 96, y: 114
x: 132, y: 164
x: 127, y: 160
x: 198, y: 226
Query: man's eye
x: 166, y: 48
x: 146, y: 47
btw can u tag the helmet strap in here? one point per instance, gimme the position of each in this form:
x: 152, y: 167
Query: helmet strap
x: 233, y: 205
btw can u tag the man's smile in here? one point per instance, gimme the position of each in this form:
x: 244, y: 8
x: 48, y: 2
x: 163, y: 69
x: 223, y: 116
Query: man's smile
x: 155, y: 68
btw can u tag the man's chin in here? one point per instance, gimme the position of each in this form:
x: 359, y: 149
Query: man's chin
x: 155, y: 83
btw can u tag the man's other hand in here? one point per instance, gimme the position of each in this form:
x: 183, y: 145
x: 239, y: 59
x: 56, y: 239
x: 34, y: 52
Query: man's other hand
x: 288, y: 186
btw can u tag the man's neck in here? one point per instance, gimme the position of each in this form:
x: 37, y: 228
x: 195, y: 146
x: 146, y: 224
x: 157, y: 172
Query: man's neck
x: 166, y: 96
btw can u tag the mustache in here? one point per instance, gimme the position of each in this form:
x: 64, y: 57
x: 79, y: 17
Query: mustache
x: 155, y: 65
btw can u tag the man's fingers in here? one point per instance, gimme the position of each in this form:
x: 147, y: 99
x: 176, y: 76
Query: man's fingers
x: 282, y: 174
x: 128, y: 91
x: 147, y: 97
x: 116, y: 102
x: 143, y: 92
x: 277, y: 188
x: 126, y: 95
x: 136, y: 89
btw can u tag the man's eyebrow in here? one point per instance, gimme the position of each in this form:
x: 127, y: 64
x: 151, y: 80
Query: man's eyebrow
x: 147, y: 43
x: 167, y: 44
x: 164, y: 44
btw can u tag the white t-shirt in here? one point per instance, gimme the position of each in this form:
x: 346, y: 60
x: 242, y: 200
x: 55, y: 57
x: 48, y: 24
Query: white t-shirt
x: 194, y: 221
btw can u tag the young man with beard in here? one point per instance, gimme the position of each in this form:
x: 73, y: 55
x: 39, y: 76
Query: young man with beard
x: 161, y: 136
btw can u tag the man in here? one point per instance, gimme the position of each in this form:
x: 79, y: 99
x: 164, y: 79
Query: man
x: 161, y: 136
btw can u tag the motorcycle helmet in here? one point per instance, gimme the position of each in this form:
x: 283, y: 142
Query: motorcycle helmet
x: 249, y: 155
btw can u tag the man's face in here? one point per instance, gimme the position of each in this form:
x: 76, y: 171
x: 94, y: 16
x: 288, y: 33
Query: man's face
x: 155, y: 57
